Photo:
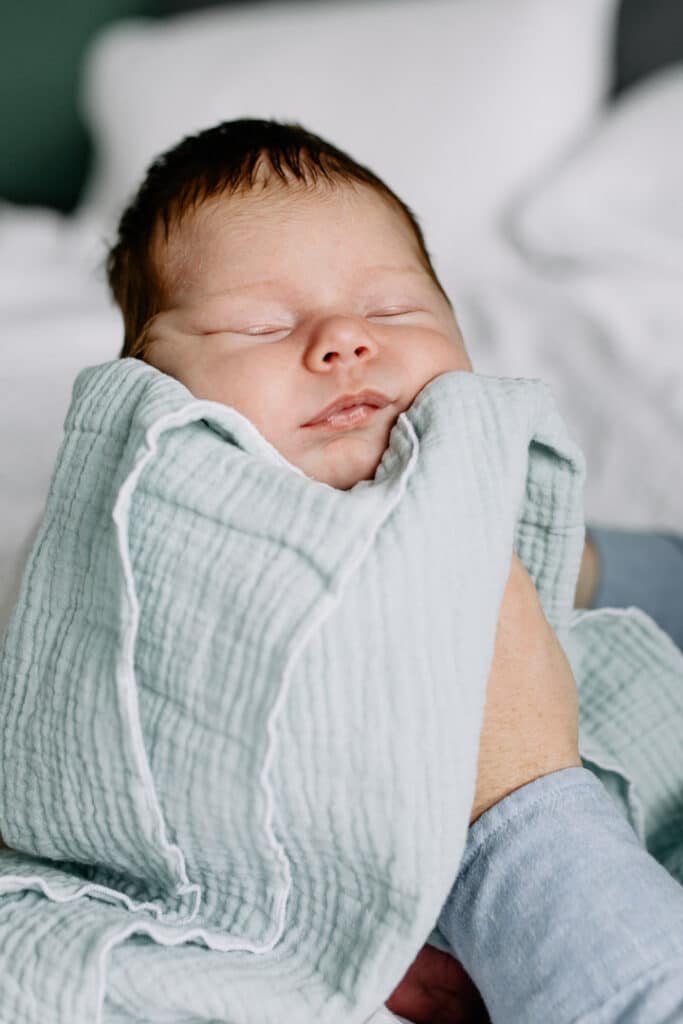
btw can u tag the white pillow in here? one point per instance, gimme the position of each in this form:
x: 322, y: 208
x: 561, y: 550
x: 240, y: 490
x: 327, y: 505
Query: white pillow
x: 455, y: 103
x: 618, y: 200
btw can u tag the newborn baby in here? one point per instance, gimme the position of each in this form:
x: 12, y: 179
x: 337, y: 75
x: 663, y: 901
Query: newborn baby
x: 264, y: 269
x: 301, y: 295
x: 304, y: 297
x: 308, y: 304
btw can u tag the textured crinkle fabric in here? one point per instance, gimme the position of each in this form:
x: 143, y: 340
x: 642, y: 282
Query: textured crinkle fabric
x: 630, y: 677
x: 241, y: 708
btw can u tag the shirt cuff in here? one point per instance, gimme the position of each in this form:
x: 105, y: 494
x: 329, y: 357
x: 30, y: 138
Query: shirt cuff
x: 557, y: 908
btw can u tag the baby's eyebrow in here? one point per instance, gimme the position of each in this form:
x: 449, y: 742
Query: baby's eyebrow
x: 265, y: 283
x: 396, y: 270
x: 378, y: 268
x: 367, y: 272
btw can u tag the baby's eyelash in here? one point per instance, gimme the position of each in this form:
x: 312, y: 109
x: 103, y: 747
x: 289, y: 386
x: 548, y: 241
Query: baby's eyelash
x: 267, y: 330
x: 246, y: 333
x: 251, y: 332
x: 393, y: 312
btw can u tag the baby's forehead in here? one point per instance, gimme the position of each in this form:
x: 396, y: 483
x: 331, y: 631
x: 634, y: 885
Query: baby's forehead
x: 275, y: 201
x: 191, y: 231
x: 186, y: 227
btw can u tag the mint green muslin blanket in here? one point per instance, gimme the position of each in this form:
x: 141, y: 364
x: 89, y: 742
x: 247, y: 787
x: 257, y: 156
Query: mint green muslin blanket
x: 241, y: 708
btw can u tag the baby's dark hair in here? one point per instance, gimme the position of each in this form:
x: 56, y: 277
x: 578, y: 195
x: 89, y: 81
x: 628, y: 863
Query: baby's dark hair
x: 223, y: 159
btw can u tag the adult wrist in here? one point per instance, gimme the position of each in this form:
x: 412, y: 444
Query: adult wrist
x: 523, y: 777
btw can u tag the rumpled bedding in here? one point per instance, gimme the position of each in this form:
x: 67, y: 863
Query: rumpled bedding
x: 241, y: 708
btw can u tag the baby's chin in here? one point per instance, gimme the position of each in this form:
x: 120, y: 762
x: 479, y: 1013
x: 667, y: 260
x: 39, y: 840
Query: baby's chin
x: 343, y: 465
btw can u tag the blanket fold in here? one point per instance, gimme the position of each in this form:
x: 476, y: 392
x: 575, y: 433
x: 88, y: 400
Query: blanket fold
x: 241, y: 708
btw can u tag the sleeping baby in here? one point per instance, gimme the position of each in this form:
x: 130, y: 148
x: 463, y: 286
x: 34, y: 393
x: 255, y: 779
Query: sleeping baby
x: 267, y: 270
x: 287, y: 292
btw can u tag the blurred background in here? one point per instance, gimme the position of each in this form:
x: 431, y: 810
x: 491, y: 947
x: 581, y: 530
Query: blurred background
x: 43, y: 45
x: 539, y: 143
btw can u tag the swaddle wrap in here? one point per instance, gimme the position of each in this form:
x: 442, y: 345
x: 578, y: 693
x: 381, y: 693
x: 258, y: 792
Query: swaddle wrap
x: 241, y: 708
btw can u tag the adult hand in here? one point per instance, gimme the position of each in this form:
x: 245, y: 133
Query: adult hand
x: 436, y: 990
x: 531, y: 716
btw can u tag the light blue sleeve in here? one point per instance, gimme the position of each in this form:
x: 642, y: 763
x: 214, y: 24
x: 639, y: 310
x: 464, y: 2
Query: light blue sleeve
x: 641, y: 568
x: 559, y: 915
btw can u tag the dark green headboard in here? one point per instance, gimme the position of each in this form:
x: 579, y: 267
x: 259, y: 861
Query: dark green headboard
x: 45, y: 150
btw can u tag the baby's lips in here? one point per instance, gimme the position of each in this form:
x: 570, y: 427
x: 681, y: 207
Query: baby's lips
x: 367, y: 397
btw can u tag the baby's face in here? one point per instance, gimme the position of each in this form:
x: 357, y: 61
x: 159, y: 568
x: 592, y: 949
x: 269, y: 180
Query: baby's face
x: 283, y: 301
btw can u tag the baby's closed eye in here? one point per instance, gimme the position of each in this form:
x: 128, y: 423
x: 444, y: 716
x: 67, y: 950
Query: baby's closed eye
x: 401, y: 315
x: 394, y: 311
x: 264, y: 330
x: 249, y: 331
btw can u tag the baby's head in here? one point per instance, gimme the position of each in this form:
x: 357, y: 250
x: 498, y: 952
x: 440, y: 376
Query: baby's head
x: 265, y: 269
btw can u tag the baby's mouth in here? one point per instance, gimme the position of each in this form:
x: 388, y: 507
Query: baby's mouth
x: 356, y: 416
x: 337, y: 412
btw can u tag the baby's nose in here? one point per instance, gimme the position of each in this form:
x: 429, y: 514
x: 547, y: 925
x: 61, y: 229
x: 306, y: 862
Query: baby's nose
x: 340, y: 337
